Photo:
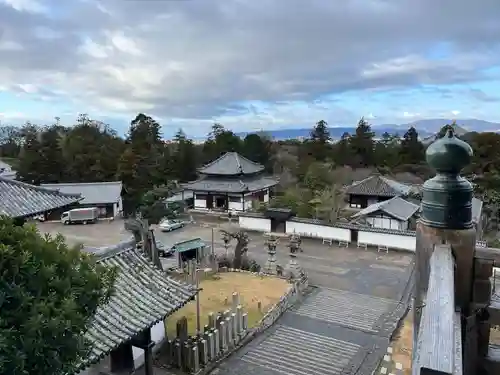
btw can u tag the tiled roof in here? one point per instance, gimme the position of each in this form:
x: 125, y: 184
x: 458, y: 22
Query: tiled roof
x: 378, y: 185
x: 143, y: 296
x: 92, y: 192
x: 396, y: 207
x: 231, y: 185
x: 195, y: 243
x: 231, y: 164
x: 355, y: 226
x: 18, y: 199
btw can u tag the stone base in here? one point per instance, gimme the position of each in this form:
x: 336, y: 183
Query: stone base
x: 293, y: 271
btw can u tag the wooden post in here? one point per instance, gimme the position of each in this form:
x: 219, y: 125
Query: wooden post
x: 447, y: 219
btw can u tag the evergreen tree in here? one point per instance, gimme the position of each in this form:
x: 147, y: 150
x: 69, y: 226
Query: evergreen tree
x: 50, y: 292
x: 362, y: 144
x: 258, y: 149
x: 141, y: 166
x: 319, y: 141
x: 220, y: 140
x: 412, y: 150
x: 184, y: 158
x: 29, y: 157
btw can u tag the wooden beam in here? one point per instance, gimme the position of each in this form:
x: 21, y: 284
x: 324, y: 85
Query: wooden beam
x: 437, y: 337
x: 490, y: 253
x: 457, y: 327
x: 494, y: 310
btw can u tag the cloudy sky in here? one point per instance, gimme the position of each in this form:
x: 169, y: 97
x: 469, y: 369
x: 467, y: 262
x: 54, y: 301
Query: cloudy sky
x: 249, y: 64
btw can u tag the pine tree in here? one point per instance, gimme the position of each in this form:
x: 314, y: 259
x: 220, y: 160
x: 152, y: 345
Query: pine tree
x: 412, y: 150
x: 319, y: 141
x: 362, y: 144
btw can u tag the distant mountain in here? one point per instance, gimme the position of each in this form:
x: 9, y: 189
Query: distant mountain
x: 426, y: 128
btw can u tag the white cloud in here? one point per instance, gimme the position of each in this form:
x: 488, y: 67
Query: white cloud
x: 195, y: 61
x: 25, y: 5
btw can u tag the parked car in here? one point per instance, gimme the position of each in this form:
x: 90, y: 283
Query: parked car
x: 168, y: 225
x: 164, y: 251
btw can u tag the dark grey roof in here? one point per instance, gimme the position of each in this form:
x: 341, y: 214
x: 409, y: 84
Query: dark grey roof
x: 355, y: 226
x: 378, y: 185
x: 18, y: 199
x: 396, y: 207
x: 231, y: 185
x: 143, y: 296
x: 92, y: 192
x: 231, y: 164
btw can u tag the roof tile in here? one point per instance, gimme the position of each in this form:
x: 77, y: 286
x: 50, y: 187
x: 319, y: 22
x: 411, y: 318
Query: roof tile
x: 18, y: 199
x: 378, y: 185
x: 396, y: 207
x: 231, y: 164
x: 231, y: 185
x: 92, y: 192
x: 143, y: 296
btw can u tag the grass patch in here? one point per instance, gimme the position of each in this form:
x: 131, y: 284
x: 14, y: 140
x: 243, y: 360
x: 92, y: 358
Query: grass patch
x: 251, y: 288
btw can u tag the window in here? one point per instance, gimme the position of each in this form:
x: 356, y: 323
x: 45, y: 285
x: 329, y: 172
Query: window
x: 235, y: 199
x: 201, y: 196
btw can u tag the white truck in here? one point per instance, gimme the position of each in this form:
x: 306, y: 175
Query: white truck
x: 80, y: 216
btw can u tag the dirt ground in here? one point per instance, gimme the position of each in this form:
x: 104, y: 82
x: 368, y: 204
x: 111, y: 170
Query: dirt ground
x: 403, y: 343
x: 103, y: 233
x: 252, y: 289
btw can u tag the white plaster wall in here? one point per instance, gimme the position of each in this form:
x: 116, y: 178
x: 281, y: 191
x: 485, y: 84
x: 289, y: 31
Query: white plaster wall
x: 200, y: 203
x: 157, y: 335
x: 387, y: 223
x: 390, y: 240
x: 320, y: 231
x: 237, y: 206
x: 266, y: 196
x: 255, y: 223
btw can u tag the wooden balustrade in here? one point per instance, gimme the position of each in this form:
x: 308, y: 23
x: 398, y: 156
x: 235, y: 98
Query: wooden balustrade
x: 448, y: 342
x: 439, y: 338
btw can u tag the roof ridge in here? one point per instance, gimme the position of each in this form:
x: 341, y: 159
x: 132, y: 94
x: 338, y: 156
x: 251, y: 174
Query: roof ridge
x: 237, y: 158
x: 215, y: 160
x: 39, y: 188
x: 363, y: 180
x: 83, y: 183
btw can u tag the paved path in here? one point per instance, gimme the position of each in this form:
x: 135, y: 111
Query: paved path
x: 332, y: 332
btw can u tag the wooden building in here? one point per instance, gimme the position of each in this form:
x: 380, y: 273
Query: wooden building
x: 22, y: 201
x: 395, y: 213
x: 144, y: 297
x: 230, y: 183
x: 374, y: 189
x: 106, y: 196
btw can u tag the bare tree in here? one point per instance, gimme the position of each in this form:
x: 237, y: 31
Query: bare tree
x: 241, y: 247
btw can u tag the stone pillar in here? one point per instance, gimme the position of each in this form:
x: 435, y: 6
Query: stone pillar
x: 270, y: 266
x: 446, y: 218
x: 293, y: 271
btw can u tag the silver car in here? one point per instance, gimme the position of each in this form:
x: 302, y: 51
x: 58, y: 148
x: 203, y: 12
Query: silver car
x: 169, y: 225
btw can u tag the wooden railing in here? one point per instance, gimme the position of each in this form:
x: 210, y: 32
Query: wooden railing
x: 439, y: 338
x: 447, y: 340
